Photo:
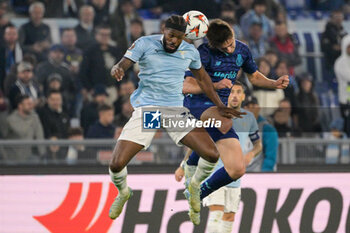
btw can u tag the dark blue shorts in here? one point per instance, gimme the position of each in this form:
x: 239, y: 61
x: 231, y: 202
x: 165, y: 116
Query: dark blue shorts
x: 214, y: 133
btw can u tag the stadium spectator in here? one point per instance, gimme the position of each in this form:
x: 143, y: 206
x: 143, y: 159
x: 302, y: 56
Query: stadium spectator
x: 307, y: 103
x: 73, y: 56
x: 89, y: 112
x: 266, y: 161
x: 120, y: 23
x: 4, y: 109
x: 97, y: 62
x: 24, y: 85
x: 75, y: 152
x: 342, y: 71
x: 337, y: 153
x: 257, y: 15
x: 331, y: 44
x: 272, y: 57
x: 85, y: 28
x: 243, y: 7
x: 256, y: 41
x: 292, y: 89
x: 286, y: 46
x: 103, y: 127
x: 136, y: 31
x: 126, y: 88
x: 62, y: 8
x: 11, y: 77
x: 283, y: 120
x: 4, y: 19
x: 23, y: 123
x: 126, y: 112
x: 101, y: 8
x: 10, y: 52
x: 53, y: 117
x: 35, y: 36
x: 268, y: 98
x: 55, y: 64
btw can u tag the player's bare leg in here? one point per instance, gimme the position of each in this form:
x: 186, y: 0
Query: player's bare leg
x: 212, y: 112
x: 123, y: 152
x: 199, y: 140
x: 232, y: 157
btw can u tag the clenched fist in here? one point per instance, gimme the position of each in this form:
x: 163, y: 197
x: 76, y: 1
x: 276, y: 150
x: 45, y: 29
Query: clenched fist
x: 282, y: 82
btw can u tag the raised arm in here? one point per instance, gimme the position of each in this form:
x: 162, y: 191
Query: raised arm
x: 119, y: 69
x: 258, y: 79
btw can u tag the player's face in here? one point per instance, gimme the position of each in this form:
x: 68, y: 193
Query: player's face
x: 236, y: 96
x: 228, y: 46
x: 172, y: 40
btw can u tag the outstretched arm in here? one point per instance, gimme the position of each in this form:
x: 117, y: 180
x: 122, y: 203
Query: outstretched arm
x: 205, y: 83
x: 258, y: 79
x: 191, y: 85
x: 119, y: 69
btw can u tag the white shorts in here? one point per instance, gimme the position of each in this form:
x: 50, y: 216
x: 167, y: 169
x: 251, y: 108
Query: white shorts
x: 134, y: 131
x: 225, y: 196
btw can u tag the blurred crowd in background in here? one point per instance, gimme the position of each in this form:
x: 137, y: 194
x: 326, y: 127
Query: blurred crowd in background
x: 60, y: 91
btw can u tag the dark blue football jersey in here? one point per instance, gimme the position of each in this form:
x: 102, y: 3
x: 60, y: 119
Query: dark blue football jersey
x: 220, y: 65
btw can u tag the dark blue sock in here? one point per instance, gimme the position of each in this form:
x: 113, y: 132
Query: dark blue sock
x: 217, y: 180
x: 193, y: 159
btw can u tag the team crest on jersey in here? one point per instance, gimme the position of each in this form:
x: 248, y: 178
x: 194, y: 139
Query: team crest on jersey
x: 182, y: 52
x: 132, y: 46
x: 218, y: 63
x: 239, y: 60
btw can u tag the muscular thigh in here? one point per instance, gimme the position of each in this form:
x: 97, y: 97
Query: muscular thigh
x: 213, y: 112
x: 230, y: 153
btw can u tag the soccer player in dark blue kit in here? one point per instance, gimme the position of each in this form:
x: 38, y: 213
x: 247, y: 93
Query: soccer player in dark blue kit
x: 222, y: 57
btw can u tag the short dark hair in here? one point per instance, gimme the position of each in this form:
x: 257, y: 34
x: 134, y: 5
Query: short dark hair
x: 75, y: 131
x: 20, y: 98
x: 104, y: 107
x: 178, y: 21
x: 137, y: 21
x: 259, y: 2
x: 219, y: 31
x: 102, y: 26
x: 51, y: 92
x: 238, y: 83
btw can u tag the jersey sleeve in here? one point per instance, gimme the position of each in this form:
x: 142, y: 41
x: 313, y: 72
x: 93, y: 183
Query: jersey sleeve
x: 196, y: 60
x: 254, y: 129
x: 136, y: 50
x: 249, y: 65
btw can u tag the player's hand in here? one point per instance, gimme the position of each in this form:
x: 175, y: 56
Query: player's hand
x: 282, y: 82
x: 179, y: 174
x: 224, y: 83
x: 117, y: 73
x: 230, y: 112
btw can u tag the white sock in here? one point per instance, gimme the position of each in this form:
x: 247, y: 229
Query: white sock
x: 226, y: 227
x: 189, y: 170
x: 119, y: 180
x: 204, y: 169
x: 214, y: 221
